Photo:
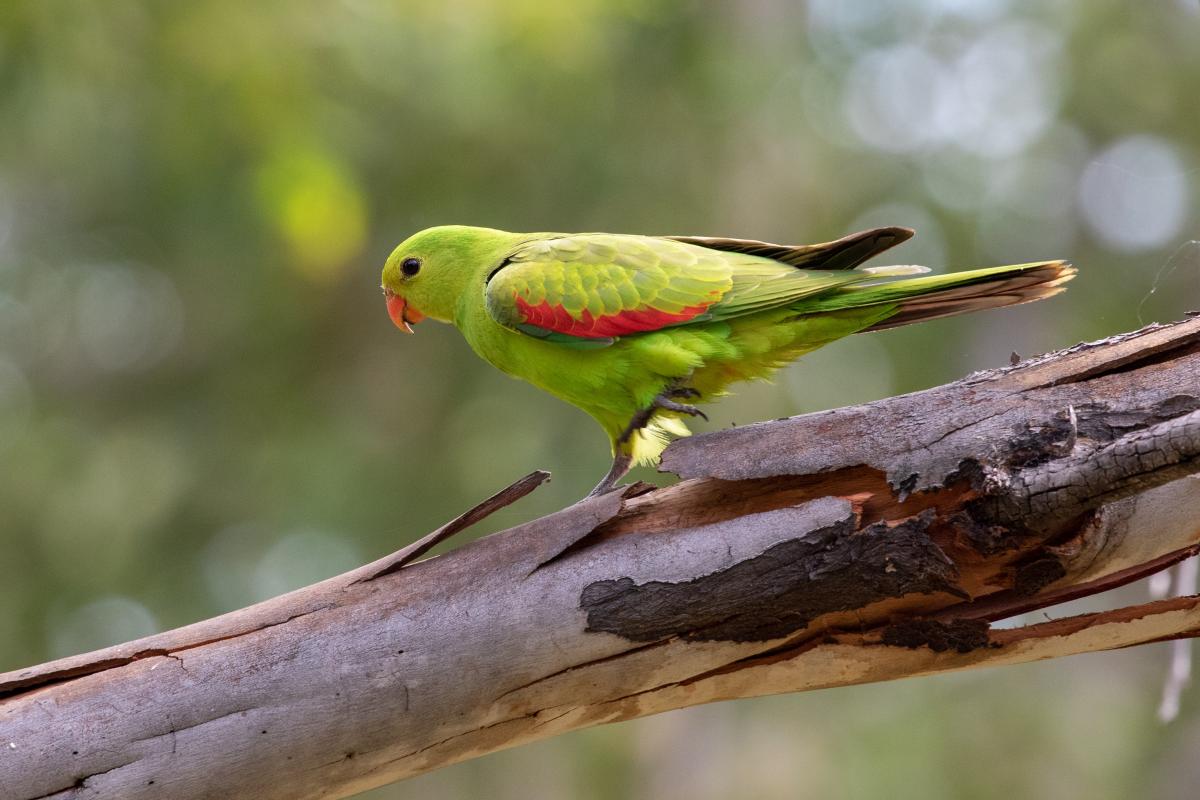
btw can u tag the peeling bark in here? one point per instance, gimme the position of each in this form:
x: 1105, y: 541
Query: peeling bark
x: 775, y: 566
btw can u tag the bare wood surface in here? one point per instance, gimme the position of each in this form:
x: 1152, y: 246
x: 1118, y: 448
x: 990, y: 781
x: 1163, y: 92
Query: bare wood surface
x: 862, y: 544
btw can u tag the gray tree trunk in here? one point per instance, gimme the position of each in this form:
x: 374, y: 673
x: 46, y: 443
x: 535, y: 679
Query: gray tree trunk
x: 861, y: 544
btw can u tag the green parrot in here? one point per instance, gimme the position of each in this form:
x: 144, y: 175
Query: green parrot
x: 634, y: 329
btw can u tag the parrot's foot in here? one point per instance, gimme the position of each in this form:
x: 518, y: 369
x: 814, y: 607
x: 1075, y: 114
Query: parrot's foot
x: 623, y: 461
x: 667, y: 404
x: 621, y: 464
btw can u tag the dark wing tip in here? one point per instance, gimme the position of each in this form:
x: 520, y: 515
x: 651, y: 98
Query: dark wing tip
x: 845, y: 253
x: 897, y: 233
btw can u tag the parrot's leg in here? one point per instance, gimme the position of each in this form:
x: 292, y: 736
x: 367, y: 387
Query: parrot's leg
x: 622, y: 461
x: 622, y: 458
x: 621, y: 464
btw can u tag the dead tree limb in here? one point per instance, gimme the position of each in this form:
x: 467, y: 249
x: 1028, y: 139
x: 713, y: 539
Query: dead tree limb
x: 861, y: 544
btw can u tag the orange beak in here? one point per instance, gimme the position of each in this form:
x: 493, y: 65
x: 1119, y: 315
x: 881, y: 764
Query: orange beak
x: 401, y: 312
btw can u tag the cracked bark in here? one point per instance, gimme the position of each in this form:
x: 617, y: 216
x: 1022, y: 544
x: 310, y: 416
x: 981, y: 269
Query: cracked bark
x: 774, y: 566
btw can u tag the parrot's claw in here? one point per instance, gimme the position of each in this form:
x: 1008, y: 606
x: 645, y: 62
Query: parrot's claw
x: 668, y: 404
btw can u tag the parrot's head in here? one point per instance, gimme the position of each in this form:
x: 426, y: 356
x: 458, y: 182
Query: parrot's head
x: 431, y: 271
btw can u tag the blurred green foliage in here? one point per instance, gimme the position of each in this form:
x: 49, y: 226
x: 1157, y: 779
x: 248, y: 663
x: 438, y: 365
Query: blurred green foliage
x: 203, y: 403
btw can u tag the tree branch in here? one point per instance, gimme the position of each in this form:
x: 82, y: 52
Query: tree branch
x: 862, y: 544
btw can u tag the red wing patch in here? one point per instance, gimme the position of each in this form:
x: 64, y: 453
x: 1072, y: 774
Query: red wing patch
x: 559, y: 320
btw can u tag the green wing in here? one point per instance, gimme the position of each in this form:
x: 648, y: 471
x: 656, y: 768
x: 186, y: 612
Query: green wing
x: 590, y: 289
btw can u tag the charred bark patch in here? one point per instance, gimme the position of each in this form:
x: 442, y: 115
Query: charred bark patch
x: 1032, y: 446
x: 1104, y: 424
x: 780, y: 591
x: 1036, y: 575
x: 960, y: 635
x: 1100, y: 423
x: 985, y: 538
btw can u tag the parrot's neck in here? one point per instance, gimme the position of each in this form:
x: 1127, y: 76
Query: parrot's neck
x: 479, y: 257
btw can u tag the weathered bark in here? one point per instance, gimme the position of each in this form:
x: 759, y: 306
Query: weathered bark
x: 862, y: 544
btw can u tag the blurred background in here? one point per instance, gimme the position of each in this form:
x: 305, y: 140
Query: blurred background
x: 204, y: 404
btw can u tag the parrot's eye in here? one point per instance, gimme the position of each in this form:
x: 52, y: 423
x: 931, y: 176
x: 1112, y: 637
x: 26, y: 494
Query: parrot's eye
x: 410, y: 266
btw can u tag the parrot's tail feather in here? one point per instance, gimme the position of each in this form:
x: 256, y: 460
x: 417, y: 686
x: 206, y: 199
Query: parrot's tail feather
x: 928, y: 297
x: 1023, y: 285
x: 649, y: 442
